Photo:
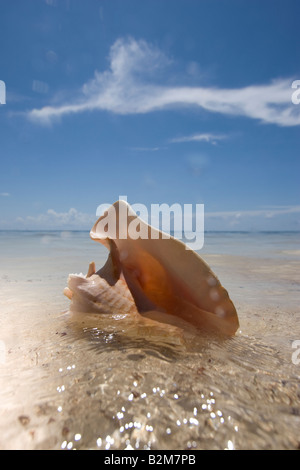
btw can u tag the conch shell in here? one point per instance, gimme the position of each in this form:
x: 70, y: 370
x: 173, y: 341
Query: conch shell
x: 151, y: 273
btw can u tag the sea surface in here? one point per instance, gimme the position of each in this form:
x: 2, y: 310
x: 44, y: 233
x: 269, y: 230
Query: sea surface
x: 92, y: 382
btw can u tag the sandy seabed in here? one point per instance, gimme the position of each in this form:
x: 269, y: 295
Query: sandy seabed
x: 92, y: 382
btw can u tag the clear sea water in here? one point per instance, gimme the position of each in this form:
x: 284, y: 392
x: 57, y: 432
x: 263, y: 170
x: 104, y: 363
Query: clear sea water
x: 94, y: 383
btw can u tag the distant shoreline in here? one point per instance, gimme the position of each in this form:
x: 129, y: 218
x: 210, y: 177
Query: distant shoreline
x: 172, y: 233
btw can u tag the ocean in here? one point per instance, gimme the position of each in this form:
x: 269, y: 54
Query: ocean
x: 91, y: 382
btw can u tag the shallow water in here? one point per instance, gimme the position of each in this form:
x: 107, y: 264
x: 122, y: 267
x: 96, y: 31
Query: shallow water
x: 96, y: 382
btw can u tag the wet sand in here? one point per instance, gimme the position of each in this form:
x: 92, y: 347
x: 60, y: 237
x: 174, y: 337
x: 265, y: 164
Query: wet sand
x: 94, y: 383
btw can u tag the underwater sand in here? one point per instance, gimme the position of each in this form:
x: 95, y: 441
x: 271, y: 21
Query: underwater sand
x: 91, y: 382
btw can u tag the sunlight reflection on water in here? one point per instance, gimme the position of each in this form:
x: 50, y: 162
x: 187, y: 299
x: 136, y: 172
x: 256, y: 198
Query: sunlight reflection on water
x: 90, y: 382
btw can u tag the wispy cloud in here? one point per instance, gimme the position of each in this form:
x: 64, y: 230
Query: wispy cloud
x: 268, y: 213
x: 271, y: 218
x: 146, y: 149
x: 5, y: 194
x: 72, y: 219
x: 129, y: 86
x: 210, y: 138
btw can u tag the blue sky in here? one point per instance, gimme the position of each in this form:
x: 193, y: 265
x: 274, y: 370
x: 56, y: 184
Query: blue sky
x: 162, y: 101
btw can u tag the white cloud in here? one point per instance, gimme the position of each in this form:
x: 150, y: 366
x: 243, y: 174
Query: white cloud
x: 4, y: 194
x: 129, y: 87
x: 72, y: 219
x: 210, y: 138
x: 146, y: 149
x: 265, y: 212
x: 269, y: 218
